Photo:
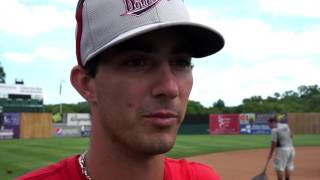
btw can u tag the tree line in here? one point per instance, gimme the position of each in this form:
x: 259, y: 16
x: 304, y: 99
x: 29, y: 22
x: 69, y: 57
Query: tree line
x: 305, y: 99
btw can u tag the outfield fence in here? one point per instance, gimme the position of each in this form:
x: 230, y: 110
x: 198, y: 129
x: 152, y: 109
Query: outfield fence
x: 35, y: 125
x: 304, y: 123
x: 39, y: 125
x: 249, y: 123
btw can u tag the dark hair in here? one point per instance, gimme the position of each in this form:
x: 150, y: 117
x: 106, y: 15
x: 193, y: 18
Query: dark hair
x: 272, y: 120
x: 91, y: 66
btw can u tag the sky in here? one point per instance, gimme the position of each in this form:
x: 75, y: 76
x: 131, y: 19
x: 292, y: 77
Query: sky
x: 270, y: 46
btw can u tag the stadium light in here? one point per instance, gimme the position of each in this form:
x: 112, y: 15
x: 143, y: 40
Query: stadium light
x: 60, y: 92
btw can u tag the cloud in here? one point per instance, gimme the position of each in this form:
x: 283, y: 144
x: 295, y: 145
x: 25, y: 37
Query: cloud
x: 305, y: 8
x: 255, y: 40
x: 17, y: 57
x: 54, y: 54
x: 30, y: 20
x: 72, y: 3
x: 238, y: 81
x: 259, y: 58
x: 42, y: 53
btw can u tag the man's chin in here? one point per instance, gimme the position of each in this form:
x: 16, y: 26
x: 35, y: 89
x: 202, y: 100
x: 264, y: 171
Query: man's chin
x: 158, y: 151
x: 159, y: 147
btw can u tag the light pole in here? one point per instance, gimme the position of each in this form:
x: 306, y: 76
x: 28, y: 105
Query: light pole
x: 60, y: 92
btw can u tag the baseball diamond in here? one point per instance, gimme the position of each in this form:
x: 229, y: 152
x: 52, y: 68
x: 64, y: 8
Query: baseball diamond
x: 245, y: 164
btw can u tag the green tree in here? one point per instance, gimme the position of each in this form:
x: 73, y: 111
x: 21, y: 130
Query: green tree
x: 219, y: 104
x: 195, y: 107
x: 253, y: 104
x: 2, y: 74
x: 307, y: 99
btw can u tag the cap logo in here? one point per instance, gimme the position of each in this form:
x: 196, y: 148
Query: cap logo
x: 137, y: 7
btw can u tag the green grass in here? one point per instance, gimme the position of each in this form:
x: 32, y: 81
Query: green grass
x: 190, y: 145
x: 20, y: 156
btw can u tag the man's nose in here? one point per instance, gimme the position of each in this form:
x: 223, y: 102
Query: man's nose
x: 165, y: 82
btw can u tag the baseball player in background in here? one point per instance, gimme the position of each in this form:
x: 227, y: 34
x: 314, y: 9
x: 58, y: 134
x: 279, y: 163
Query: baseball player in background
x: 135, y: 71
x: 282, y: 144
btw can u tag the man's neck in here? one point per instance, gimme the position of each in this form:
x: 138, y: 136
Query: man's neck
x: 105, y: 161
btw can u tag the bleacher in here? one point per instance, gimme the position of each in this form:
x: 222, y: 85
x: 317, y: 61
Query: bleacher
x: 20, y: 98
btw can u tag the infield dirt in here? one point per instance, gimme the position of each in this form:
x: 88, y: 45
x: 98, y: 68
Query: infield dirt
x: 244, y: 165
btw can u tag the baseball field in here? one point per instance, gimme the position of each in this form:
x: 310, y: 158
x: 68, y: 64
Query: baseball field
x: 240, y: 156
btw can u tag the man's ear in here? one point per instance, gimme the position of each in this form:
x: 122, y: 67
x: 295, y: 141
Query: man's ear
x: 83, y: 83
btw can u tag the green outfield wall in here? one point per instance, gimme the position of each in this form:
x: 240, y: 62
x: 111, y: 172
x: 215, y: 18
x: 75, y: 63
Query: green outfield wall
x: 300, y: 123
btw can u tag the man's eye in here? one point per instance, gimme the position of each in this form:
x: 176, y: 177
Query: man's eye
x: 136, y: 62
x: 182, y: 63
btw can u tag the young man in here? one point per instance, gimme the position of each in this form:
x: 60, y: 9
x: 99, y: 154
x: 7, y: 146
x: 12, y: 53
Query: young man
x: 135, y: 71
x: 282, y: 144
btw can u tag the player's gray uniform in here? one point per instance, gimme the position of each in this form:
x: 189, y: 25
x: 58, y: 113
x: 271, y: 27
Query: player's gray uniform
x: 284, y: 152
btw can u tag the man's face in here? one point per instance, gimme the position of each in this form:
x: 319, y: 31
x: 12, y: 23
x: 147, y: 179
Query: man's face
x: 272, y: 125
x: 142, y: 89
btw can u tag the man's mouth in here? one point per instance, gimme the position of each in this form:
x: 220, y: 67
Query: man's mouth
x: 163, y: 118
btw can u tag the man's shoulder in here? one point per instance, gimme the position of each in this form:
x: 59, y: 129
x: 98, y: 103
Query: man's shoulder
x: 282, y: 127
x: 184, y: 169
x: 60, y: 170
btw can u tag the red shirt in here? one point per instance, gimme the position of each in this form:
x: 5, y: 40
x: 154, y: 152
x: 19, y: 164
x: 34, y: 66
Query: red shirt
x: 184, y: 170
x: 69, y: 169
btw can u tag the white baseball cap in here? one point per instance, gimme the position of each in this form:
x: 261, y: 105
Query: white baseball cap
x: 102, y: 24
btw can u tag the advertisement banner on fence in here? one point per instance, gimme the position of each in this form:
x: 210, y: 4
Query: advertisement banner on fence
x: 262, y: 118
x: 10, y: 126
x: 246, y: 121
x: 256, y: 125
x: 6, y: 134
x: 260, y: 129
x: 224, y: 123
x: 78, y: 119
x: 245, y: 128
x: 247, y: 118
x: 62, y: 130
x: 260, y: 126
